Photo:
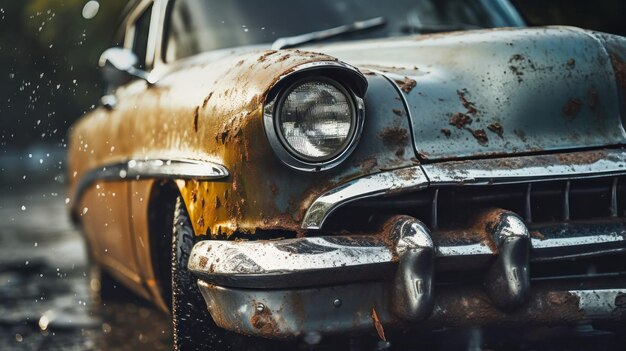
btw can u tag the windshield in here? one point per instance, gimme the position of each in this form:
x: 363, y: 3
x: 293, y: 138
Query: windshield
x: 202, y: 25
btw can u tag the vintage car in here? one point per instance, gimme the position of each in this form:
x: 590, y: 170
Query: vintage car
x: 287, y: 169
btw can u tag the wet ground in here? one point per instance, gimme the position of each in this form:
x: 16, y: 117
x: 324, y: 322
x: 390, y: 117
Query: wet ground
x: 45, y: 302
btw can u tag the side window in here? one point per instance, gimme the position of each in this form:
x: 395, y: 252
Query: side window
x: 140, y: 40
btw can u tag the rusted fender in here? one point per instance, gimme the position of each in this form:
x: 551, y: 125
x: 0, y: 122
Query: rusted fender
x: 211, y: 110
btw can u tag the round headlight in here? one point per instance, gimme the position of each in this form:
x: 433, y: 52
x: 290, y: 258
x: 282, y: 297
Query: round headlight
x: 316, y: 119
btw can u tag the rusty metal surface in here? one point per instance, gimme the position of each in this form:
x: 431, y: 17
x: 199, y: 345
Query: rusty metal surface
x: 527, y: 169
x: 491, y: 171
x: 200, y: 113
x: 500, y: 91
x: 289, y: 313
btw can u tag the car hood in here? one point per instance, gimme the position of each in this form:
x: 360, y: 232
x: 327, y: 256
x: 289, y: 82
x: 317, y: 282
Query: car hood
x: 498, y: 92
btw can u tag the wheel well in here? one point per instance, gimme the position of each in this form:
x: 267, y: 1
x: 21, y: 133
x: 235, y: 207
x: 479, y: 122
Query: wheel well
x: 160, y: 223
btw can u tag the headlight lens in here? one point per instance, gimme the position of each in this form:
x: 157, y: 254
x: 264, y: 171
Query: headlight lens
x: 316, y: 119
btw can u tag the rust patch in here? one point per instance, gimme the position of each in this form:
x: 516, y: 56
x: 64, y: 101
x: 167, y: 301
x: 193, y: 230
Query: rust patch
x: 480, y: 136
x: 368, y: 164
x: 571, y: 63
x: 378, y: 325
x: 471, y: 306
x: 469, y: 106
x: 520, y: 134
x: 581, y: 158
x: 517, y: 72
x: 572, y: 108
x: 284, y: 57
x: 485, y: 223
x: 537, y: 235
x: 393, y: 136
x: 496, y: 128
x: 620, y: 70
x: 518, y: 63
x: 203, y: 261
x: 400, y: 152
x: 562, y: 298
x: 460, y: 120
x: 196, y: 113
x: 264, y: 322
x: 407, y: 84
x: 274, y: 189
x: 266, y: 55
x: 397, y: 112
x: 446, y: 132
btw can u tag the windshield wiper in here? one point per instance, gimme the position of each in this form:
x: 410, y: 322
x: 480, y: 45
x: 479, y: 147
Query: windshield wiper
x: 359, y: 26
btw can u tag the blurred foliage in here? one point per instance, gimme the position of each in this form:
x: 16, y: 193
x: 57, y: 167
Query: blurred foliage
x: 48, y: 59
x: 49, y: 54
x: 601, y: 15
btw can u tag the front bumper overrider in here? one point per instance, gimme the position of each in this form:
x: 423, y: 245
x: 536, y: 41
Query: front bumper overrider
x: 334, y: 284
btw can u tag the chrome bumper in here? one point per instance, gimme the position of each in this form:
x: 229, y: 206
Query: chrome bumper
x: 333, y: 284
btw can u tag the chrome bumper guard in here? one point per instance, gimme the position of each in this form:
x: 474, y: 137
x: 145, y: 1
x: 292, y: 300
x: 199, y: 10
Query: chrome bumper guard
x: 283, y: 288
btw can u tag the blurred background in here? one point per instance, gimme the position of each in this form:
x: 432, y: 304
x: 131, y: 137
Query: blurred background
x: 49, y: 51
x: 48, y: 78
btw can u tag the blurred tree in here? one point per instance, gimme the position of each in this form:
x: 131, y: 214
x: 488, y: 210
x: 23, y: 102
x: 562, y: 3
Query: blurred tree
x: 48, y: 57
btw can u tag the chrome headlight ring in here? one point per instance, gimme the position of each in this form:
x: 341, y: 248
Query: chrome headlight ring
x: 311, y: 74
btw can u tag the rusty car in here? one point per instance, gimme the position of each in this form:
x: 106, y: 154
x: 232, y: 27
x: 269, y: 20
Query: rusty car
x: 272, y: 170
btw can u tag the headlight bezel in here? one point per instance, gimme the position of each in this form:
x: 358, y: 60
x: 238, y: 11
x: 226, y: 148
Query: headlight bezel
x: 336, y: 76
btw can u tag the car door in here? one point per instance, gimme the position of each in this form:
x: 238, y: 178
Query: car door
x: 106, y: 204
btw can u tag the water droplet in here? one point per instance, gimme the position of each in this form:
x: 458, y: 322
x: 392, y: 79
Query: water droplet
x: 90, y: 10
x: 23, y: 208
x: 85, y: 209
x: 122, y: 173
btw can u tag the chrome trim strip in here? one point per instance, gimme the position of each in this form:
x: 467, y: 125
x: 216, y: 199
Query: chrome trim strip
x: 530, y: 169
x: 463, y: 250
x: 511, y: 170
x: 313, y: 261
x: 303, y: 262
x: 412, y: 178
x: 576, y: 241
x: 151, y: 169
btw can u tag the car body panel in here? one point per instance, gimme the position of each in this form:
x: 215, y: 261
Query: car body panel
x: 187, y: 117
x: 500, y: 92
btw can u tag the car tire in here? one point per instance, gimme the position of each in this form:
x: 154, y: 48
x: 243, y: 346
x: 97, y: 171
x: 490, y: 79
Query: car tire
x: 193, y: 327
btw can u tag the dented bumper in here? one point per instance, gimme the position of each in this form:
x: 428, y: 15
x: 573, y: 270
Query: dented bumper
x: 335, y: 284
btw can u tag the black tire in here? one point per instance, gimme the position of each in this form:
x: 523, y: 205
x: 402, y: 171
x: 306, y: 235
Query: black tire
x: 194, y: 328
